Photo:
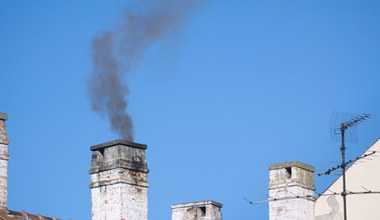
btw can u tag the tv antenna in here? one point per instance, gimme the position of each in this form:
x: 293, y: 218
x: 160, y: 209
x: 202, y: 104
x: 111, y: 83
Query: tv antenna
x: 340, y: 129
x: 344, y: 126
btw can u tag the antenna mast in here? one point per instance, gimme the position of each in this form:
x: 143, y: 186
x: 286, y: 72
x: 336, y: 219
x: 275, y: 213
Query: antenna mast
x: 343, y: 127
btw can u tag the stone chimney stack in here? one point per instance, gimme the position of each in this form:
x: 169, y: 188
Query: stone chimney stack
x: 119, y: 187
x: 4, y: 157
x: 205, y: 210
x: 287, y: 181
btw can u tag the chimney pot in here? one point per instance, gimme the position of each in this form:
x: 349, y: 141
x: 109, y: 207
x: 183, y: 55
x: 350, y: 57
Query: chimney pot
x: 4, y: 157
x: 3, y: 116
x: 292, y: 184
x: 202, y: 210
x: 119, y: 168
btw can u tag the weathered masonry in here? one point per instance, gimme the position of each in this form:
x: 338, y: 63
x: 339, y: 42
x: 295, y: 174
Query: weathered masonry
x: 5, y: 213
x: 4, y: 157
x: 287, y: 181
x: 204, y: 210
x: 119, y: 186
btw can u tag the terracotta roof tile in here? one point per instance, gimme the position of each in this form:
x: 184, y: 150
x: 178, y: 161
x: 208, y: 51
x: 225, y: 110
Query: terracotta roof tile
x: 13, y: 215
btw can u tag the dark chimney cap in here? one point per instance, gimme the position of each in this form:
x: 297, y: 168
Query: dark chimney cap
x: 3, y: 116
x: 118, y: 142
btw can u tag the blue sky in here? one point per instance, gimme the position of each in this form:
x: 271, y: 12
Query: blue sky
x: 242, y: 85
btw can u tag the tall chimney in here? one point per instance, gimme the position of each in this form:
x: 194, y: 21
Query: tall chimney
x: 119, y: 185
x: 4, y: 157
x: 287, y: 181
x: 204, y: 210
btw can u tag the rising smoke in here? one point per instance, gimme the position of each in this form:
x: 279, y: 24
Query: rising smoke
x: 117, y: 52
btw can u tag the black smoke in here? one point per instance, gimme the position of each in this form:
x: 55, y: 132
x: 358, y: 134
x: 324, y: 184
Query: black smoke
x: 118, y: 52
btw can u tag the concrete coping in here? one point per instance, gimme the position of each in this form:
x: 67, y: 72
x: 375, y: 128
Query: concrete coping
x: 197, y: 204
x: 119, y: 142
x: 291, y: 164
x: 3, y: 116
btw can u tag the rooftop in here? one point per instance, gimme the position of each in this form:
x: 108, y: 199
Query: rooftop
x: 13, y: 215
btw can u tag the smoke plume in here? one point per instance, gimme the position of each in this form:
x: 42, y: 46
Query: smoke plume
x: 117, y: 52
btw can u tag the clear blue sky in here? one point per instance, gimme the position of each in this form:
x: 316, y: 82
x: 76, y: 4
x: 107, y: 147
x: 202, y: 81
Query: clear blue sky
x: 243, y: 85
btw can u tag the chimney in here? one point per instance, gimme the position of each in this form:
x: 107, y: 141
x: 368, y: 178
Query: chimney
x: 204, y: 210
x: 4, y: 157
x: 119, y: 185
x: 287, y: 181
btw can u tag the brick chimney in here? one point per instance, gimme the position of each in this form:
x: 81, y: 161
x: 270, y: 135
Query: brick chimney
x: 4, y: 157
x: 204, y: 210
x: 287, y: 181
x: 119, y: 188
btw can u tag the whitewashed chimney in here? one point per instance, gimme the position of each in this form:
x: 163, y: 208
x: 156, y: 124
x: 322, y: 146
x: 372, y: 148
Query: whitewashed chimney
x: 119, y: 187
x: 204, y: 210
x: 291, y: 186
x: 4, y: 157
